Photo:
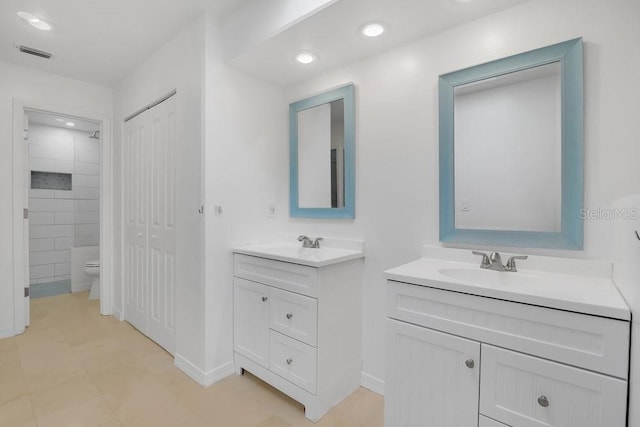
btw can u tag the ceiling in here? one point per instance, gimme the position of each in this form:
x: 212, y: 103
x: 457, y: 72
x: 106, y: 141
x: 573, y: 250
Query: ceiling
x: 332, y: 34
x: 97, y: 41
x: 100, y: 41
x: 60, y: 121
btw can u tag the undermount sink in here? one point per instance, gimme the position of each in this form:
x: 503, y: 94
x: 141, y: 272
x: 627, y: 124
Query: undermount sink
x: 486, y: 277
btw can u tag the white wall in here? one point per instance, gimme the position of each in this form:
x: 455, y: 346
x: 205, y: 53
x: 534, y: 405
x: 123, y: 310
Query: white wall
x: 397, y: 132
x: 43, y: 89
x: 246, y: 168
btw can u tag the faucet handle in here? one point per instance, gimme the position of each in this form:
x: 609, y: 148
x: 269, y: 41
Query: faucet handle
x: 306, y: 241
x: 511, y: 262
x: 316, y: 243
x: 485, y: 263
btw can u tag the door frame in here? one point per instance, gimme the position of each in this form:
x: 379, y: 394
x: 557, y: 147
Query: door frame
x: 20, y: 237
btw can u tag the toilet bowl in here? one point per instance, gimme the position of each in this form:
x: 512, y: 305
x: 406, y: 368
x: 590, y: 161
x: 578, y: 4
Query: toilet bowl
x: 92, y: 268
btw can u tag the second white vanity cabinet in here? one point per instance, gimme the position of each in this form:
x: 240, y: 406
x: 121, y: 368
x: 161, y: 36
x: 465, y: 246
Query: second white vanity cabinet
x: 461, y: 360
x: 298, y: 326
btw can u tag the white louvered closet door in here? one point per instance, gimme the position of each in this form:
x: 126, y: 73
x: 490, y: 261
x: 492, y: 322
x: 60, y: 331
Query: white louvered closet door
x: 149, y: 258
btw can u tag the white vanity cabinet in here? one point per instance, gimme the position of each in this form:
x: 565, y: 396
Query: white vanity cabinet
x: 461, y: 360
x: 298, y: 328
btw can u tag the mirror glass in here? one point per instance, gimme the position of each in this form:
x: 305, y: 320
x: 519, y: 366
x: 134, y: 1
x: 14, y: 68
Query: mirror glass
x: 511, y: 150
x: 322, y: 140
x: 321, y: 156
x: 507, y: 151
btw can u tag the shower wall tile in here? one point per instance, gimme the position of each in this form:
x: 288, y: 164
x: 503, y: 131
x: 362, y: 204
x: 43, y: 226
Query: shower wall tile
x: 40, y: 218
x: 41, y: 245
x: 75, y: 213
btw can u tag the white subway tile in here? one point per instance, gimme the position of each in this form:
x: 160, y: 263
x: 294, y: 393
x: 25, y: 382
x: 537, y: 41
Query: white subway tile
x: 86, y: 180
x: 40, y: 218
x: 88, y: 206
x: 87, y: 240
x: 41, y: 271
x: 63, y: 166
x: 63, y: 194
x: 86, y: 168
x: 88, y: 156
x: 63, y: 269
x: 64, y: 205
x: 41, y: 245
x: 41, y: 194
x: 86, y: 218
x: 86, y: 193
x: 41, y: 280
x: 41, y: 205
x: 43, y: 165
x: 62, y: 243
x: 63, y: 230
x: 86, y: 229
x: 51, y: 257
x: 65, y: 218
x: 41, y: 231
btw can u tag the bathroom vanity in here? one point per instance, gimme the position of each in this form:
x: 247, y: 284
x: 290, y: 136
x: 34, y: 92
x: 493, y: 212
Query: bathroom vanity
x: 473, y: 347
x: 297, y: 321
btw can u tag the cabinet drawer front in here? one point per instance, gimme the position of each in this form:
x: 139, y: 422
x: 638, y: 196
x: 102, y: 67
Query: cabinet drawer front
x: 526, y: 391
x: 250, y: 320
x: 591, y: 342
x: 293, y: 361
x: 294, y: 315
x: 284, y: 275
x: 488, y: 422
x: 432, y: 378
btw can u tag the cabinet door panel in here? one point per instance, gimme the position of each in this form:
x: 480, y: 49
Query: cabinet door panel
x: 526, y: 391
x: 294, y: 315
x: 251, y: 320
x: 432, y: 378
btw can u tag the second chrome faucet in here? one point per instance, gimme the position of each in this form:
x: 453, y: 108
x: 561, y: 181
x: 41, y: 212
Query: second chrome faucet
x: 308, y: 243
x: 493, y: 261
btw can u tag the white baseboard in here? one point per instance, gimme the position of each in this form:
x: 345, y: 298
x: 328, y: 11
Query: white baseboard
x: 203, y: 378
x: 115, y: 312
x: 372, y: 383
x: 6, y: 333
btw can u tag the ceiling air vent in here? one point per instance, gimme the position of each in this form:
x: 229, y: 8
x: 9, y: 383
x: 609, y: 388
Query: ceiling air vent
x: 34, y: 52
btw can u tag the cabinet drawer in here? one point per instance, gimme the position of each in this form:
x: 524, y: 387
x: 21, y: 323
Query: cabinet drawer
x: 293, y: 361
x: 284, y: 275
x: 488, y: 422
x: 526, y: 391
x: 294, y: 315
x: 595, y: 343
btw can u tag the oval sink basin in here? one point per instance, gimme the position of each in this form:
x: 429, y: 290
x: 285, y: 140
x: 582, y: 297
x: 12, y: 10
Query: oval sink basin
x: 493, y: 278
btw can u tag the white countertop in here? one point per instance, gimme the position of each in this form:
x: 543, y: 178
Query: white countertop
x: 595, y: 295
x: 295, y: 253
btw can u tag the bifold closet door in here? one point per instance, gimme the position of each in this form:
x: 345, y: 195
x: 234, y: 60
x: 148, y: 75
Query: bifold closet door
x: 149, y: 185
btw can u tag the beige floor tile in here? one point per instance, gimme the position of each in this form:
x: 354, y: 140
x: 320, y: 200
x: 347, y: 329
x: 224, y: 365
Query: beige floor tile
x: 74, y: 367
x: 17, y: 413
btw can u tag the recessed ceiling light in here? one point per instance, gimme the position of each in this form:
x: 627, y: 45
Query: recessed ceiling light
x: 305, y: 58
x: 70, y: 124
x: 34, y: 21
x: 373, y: 29
x: 60, y: 120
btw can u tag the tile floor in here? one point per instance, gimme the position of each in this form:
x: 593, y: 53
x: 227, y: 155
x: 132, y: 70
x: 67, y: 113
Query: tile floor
x: 74, y: 367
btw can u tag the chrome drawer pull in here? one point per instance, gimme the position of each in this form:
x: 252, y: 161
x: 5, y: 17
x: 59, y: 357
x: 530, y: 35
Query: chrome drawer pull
x: 543, y: 401
x: 470, y: 363
x: 289, y: 315
x: 289, y: 361
x: 264, y: 299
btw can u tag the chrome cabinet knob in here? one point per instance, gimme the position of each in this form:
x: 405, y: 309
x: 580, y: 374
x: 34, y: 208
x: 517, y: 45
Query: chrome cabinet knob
x: 264, y: 299
x: 289, y: 361
x: 289, y: 315
x: 543, y: 401
x: 470, y: 363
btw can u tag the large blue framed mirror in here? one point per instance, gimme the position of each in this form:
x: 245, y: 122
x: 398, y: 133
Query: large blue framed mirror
x: 511, y: 150
x: 322, y: 155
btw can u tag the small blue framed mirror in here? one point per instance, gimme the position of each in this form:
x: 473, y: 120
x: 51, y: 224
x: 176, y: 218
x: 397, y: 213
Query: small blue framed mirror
x: 511, y: 150
x: 322, y: 155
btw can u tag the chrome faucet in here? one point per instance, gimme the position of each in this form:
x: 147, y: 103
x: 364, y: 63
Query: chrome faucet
x: 494, y: 261
x: 308, y: 243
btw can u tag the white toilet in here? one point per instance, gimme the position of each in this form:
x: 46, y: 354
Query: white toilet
x: 92, y: 268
